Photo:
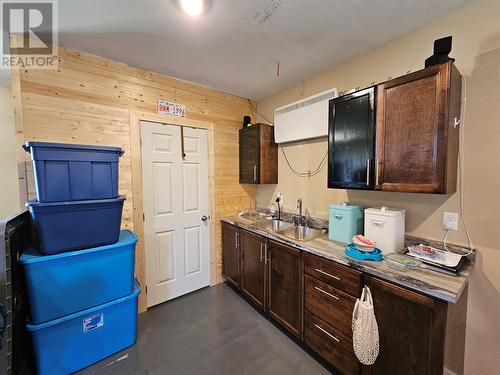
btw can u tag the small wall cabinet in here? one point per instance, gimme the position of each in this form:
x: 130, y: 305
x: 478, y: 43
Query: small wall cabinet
x: 258, y: 155
x: 416, y: 137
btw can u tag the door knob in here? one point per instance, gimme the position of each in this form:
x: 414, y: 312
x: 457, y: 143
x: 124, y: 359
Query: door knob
x: 204, y: 218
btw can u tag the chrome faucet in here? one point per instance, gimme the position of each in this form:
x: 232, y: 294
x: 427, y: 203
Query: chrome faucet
x: 301, y: 217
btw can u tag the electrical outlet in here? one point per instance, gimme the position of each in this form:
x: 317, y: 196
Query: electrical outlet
x: 450, y: 221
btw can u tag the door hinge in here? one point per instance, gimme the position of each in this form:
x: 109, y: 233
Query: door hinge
x: 143, y: 217
x: 146, y: 289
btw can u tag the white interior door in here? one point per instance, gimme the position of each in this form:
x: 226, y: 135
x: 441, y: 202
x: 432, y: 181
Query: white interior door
x: 175, y: 199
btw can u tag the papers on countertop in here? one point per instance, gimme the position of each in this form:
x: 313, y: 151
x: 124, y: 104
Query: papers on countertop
x: 434, y: 255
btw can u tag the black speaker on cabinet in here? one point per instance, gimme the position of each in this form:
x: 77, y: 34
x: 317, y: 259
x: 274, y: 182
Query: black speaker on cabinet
x: 442, y: 48
x: 246, y: 120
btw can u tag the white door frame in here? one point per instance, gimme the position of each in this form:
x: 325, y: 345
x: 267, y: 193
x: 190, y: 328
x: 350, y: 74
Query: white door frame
x: 137, y: 190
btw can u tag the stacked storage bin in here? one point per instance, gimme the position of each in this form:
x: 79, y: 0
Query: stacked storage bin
x: 80, y: 277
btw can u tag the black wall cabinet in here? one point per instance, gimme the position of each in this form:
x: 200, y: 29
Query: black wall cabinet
x: 351, y: 140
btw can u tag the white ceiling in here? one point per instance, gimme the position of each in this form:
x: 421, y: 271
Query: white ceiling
x: 236, y: 45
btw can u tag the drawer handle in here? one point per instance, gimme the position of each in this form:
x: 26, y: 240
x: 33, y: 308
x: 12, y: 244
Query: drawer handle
x: 327, y: 333
x: 325, y: 292
x: 327, y: 274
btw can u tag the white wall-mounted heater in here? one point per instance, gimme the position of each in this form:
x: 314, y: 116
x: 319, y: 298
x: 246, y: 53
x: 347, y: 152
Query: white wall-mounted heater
x: 304, y: 119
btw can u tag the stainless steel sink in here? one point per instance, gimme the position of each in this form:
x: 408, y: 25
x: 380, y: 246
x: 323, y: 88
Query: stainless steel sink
x: 279, y: 225
x: 301, y: 233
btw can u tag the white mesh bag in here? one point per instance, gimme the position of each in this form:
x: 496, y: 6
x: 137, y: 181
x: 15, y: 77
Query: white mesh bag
x: 365, y: 329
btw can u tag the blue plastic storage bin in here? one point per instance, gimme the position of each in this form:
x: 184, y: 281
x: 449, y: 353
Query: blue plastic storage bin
x: 68, y: 344
x: 74, y: 225
x: 345, y: 221
x: 62, y: 284
x: 65, y: 172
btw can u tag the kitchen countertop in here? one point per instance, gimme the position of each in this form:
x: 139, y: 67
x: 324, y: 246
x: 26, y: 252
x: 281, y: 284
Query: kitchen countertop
x: 432, y: 283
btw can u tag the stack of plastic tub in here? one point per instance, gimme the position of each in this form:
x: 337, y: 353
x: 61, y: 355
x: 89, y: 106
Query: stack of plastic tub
x: 77, y: 203
x: 80, y: 273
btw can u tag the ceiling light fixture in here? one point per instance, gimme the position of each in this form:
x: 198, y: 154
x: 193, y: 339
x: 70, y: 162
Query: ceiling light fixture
x: 192, y: 7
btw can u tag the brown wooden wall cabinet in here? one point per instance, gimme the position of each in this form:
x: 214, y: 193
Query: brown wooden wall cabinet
x: 416, y: 137
x: 313, y: 298
x: 416, y: 140
x: 258, y: 155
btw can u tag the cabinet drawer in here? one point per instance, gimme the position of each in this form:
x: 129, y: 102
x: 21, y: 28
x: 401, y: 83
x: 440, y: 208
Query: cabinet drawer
x: 333, y: 305
x: 330, y: 344
x: 336, y: 275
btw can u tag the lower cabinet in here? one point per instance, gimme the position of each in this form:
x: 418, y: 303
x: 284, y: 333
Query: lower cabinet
x: 284, y: 302
x: 331, y: 344
x: 329, y: 303
x: 413, y: 332
x: 313, y: 298
x: 230, y: 253
x: 271, y: 276
x: 330, y: 292
x: 253, y: 261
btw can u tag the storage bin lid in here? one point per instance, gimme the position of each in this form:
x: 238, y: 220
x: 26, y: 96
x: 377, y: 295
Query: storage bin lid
x: 30, y: 256
x: 346, y: 206
x: 78, y: 314
x: 88, y: 202
x: 27, y: 147
x: 385, y: 211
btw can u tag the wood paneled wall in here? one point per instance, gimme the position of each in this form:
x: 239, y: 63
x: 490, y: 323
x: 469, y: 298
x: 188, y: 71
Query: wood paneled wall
x: 88, y: 100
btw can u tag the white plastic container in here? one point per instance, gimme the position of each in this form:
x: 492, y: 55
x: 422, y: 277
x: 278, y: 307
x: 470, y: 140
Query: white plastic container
x: 386, y: 226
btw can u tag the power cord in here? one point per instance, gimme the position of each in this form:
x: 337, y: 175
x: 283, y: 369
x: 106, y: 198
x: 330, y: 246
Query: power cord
x: 461, y: 174
x: 260, y: 114
x: 305, y: 174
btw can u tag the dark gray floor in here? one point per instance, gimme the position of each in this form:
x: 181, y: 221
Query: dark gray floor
x: 212, y: 331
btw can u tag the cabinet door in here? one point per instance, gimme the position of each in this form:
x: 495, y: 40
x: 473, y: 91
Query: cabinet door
x: 415, y: 132
x: 285, y: 286
x: 411, y: 331
x: 249, y: 155
x: 252, y: 267
x: 351, y: 140
x: 268, y: 171
x: 230, y: 254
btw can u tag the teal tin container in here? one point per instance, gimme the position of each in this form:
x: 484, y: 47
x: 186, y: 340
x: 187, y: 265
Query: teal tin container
x: 345, y: 221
